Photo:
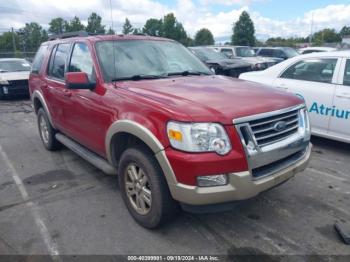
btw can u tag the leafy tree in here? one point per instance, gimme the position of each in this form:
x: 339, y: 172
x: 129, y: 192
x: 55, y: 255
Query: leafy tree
x: 57, y: 25
x: 110, y: 31
x: 31, y: 36
x: 6, y: 44
x: 345, y: 31
x: 74, y: 25
x: 94, y: 25
x: 243, y: 31
x: 173, y: 29
x: 152, y: 27
x: 204, y: 37
x: 127, y: 27
x: 136, y: 31
x: 326, y: 36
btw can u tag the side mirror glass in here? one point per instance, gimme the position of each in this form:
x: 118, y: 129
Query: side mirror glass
x: 78, y: 80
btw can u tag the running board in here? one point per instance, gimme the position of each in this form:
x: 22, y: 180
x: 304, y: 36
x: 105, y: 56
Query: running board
x: 88, y: 155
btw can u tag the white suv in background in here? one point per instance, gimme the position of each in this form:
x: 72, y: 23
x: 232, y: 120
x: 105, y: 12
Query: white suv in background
x: 323, y: 80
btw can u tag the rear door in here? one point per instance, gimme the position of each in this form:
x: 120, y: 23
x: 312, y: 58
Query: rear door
x: 340, y: 121
x: 314, y: 80
x: 56, y: 91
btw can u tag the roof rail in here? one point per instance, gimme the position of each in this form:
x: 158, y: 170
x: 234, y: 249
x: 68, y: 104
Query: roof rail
x: 69, y: 34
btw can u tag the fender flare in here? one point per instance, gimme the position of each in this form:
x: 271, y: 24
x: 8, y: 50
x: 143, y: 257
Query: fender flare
x: 145, y: 135
x: 37, y: 94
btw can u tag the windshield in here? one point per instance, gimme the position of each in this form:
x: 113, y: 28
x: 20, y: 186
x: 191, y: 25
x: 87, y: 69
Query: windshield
x: 145, y: 58
x: 208, y: 54
x: 290, y: 52
x: 14, y: 66
x: 245, y: 52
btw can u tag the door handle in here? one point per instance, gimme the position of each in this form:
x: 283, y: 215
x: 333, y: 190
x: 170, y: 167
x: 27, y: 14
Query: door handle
x: 67, y: 93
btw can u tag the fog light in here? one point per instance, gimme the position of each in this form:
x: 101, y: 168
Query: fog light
x: 6, y: 90
x: 217, y: 180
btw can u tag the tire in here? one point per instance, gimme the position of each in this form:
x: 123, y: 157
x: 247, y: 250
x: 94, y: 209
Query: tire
x: 47, y: 132
x: 162, y: 206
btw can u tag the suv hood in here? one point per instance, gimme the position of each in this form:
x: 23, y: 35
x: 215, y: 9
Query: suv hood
x: 211, y: 98
x: 21, y: 75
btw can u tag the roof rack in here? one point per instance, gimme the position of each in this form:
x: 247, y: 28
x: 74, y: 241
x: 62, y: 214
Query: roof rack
x: 70, y: 34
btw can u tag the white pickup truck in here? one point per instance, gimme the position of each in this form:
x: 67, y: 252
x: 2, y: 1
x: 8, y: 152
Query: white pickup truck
x: 323, y: 80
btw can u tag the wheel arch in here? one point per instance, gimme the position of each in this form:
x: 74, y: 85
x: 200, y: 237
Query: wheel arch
x: 38, y: 102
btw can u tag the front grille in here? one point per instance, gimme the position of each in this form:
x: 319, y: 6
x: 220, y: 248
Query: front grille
x: 17, y: 83
x: 265, y: 131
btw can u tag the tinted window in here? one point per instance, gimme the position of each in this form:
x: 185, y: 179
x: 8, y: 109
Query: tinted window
x: 58, y: 63
x: 347, y: 73
x: 278, y: 53
x: 316, y: 70
x: 39, y: 59
x: 265, y: 52
x: 81, y: 61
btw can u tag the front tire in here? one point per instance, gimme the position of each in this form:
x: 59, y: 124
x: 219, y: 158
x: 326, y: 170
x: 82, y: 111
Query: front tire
x: 144, y: 189
x: 47, y: 132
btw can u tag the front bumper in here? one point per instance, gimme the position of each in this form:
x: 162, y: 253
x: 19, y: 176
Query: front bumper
x: 14, y: 90
x: 242, y: 185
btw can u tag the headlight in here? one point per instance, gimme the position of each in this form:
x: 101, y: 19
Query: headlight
x: 4, y: 82
x: 198, y: 137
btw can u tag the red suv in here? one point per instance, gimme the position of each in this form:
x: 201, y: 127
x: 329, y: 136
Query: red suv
x: 147, y: 109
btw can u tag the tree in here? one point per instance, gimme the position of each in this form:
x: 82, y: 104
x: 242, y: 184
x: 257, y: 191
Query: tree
x: 74, y: 25
x: 94, y: 25
x: 127, y: 27
x: 31, y: 36
x: 204, y: 37
x: 172, y: 29
x: 345, y: 31
x: 57, y: 25
x: 326, y: 36
x: 110, y: 31
x: 243, y: 31
x: 152, y: 27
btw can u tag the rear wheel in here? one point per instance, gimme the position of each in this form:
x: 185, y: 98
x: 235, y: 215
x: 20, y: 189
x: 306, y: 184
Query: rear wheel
x: 47, y: 132
x: 144, y: 188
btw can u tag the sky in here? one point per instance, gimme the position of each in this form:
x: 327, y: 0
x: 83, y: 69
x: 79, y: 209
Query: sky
x: 271, y: 17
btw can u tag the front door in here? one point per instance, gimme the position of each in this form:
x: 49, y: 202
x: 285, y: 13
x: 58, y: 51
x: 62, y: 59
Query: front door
x: 313, y: 80
x: 340, y: 122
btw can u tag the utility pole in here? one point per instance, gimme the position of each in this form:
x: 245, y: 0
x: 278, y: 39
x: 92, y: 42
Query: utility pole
x: 311, y: 29
x: 13, y: 41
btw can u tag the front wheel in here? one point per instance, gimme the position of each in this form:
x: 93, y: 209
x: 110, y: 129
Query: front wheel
x: 47, y: 132
x: 144, y: 188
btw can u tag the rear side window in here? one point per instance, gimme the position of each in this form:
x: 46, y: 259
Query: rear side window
x: 81, y: 61
x: 315, y: 70
x: 58, y: 61
x: 347, y: 73
x: 39, y: 59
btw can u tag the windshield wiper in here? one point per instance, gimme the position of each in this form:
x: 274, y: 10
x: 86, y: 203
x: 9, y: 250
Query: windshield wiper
x: 188, y: 73
x: 138, y: 77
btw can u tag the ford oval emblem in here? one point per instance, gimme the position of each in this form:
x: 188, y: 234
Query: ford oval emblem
x: 280, y: 126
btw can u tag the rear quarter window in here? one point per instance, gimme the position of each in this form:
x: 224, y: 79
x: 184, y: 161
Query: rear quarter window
x: 39, y: 59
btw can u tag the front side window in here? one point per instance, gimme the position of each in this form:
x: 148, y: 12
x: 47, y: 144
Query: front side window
x: 81, y: 61
x: 346, y: 81
x: 227, y: 52
x: 129, y: 58
x: 315, y: 70
x: 58, y: 63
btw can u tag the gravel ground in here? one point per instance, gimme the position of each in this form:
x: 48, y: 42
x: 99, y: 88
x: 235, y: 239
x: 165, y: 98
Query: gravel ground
x: 57, y: 203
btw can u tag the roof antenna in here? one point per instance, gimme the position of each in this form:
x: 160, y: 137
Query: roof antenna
x: 113, y: 46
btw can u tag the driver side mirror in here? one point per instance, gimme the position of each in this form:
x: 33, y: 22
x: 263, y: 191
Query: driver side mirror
x: 78, y: 80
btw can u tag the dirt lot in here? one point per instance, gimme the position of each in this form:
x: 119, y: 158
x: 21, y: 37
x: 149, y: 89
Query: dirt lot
x: 57, y: 203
